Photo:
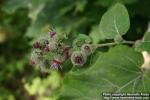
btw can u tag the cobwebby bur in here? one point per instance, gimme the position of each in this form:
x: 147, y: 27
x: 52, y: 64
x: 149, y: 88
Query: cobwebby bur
x: 78, y: 58
x: 88, y: 49
x: 51, y: 51
x: 56, y: 63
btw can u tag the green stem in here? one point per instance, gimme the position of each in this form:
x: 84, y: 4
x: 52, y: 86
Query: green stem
x: 114, y: 43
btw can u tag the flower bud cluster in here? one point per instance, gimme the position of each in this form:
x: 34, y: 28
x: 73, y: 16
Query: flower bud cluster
x: 51, y: 51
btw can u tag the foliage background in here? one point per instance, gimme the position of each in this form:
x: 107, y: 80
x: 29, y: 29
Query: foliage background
x: 22, y: 21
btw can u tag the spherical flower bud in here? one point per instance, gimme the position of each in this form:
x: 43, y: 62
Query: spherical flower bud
x: 32, y: 62
x: 78, y: 58
x: 58, y: 45
x: 47, y: 48
x: 52, y: 46
x: 87, y: 49
x: 46, y: 42
x: 37, y: 45
x: 52, y: 34
x: 56, y: 64
x: 38, y: 55
x: 35, y: 57
x: 66, y: 52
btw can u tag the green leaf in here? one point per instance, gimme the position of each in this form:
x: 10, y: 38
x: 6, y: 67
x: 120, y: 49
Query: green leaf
x: 114, y: 22
x: 115, y: 71
x: 144, y: 44
x: 94, y: 34
x: 34, y: 6
x: 13, y: 5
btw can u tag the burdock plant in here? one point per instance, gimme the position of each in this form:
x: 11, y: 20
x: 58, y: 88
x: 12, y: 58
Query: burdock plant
x: 117, y: 66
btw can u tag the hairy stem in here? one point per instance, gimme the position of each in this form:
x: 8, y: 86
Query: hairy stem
x: 114, y: 43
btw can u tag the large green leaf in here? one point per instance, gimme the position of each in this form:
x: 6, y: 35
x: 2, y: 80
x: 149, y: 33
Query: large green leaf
x: 115, y: 22
x: 144, y: 44
x: 115, y: 71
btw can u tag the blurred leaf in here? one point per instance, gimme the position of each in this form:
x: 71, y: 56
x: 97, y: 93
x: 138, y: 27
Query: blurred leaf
x: 44, y: 87
x: 80, y: 5
x: 34, y: 6
x: 115, y: 22
x: 111, y: 2
x: 13, y: 5
x: 54, y: 18
x: 3, y: 35
x: 6, y: 95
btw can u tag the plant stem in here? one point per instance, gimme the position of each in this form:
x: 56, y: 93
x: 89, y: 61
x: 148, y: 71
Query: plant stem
x: 114, y: 43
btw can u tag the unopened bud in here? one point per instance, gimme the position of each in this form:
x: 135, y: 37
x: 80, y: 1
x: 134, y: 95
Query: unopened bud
x: 78, y: 58
x: 52, y: 34
x: 87, y: 49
